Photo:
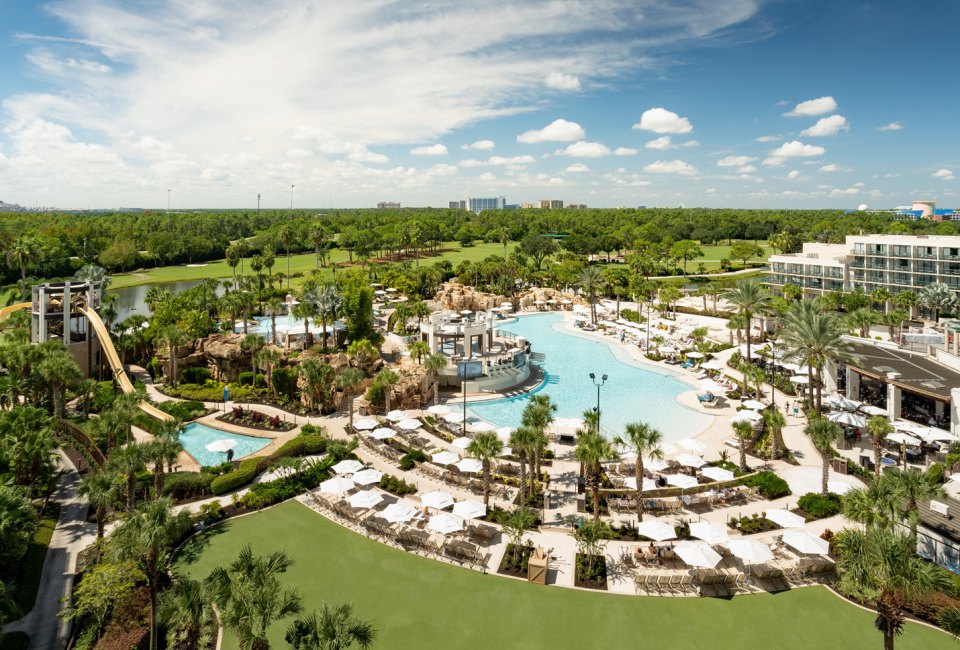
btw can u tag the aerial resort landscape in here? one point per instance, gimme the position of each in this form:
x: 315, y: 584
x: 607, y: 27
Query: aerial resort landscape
x: 263, y: 407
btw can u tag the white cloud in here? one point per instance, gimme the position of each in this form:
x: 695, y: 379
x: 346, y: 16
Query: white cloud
x: 943, y: 174
x: 671, y: 167
x: 746, y: 169
x: 367, y: 156
x: 734, y: 161
x: 562, y: 81
x: 797, y: 149
x: 430, y: 150
x: 663, y: 142
x: 893, y: 126
x: 486, y: 177
x: 577, y: 168
x: 513, y: 160
x: 557, y: 131
x: 827, y: 126
x: 769, y: 138
x: 299, y: 152
x: 812, y: 107
x: 625, y: 151
x: 774, y: 161
x: 689, y: 143
x: 585, y: 150
x: 794, y: 175
x: 479, y: 145
x: 442, y: 170
x: 838, y: 193
x: 660, y: 120
x: 829, y: 169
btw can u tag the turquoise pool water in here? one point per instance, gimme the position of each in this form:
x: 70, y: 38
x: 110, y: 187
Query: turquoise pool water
x: 195, y: 438
x: 631, y: 393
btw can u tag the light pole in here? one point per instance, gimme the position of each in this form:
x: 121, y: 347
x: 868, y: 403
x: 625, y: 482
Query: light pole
x: 647, y: 351
x: 258, y: 202
x: 598, y: 383
x: 291, y: 198
x: 168, y: 202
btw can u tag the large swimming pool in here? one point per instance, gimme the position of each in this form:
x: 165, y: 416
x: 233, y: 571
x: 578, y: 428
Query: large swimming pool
x: 631, y: 393
x: 195, y: 438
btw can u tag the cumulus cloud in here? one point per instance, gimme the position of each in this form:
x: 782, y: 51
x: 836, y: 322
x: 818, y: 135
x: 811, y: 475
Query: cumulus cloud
x: 943, y: 174
x: 557, y: 131
x: 663, y: 142
x: 829, y: 169
x: 430, y: 150
x: 893, y: 126
x: 769, y: 138
x: 585, y: 150
x: 793, y: 175
x: 671, y: 167
x: 486, y: 177
x: 774, y: 161
x: 811, y: 107
x: 734, y: 161
x: 827, y: 126
x: 625, y: 151
x: 689, y: 143
x: 479, y: 145
x: 660, y: 120
x: 797, y: 149
x: 511, y: 160
x: 838, y: 193
x: 562, y: 81
x: 577, y: 168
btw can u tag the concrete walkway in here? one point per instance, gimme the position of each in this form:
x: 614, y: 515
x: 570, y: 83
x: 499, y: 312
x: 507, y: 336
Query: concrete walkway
x: 73, y: 534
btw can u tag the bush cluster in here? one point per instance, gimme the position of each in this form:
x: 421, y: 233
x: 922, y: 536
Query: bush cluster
x: 396, y: 485
x: 411, y: 458
x: 266, y: 494
x: 187, y: 485
x: 249, y: 468
x: 770, y: 485
x: 195, y: 375
x: 819, y: 506
x: 245, y: 378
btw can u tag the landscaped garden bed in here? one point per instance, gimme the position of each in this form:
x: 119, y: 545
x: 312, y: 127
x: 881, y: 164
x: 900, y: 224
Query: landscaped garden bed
x: 591, y: 572
x: 752, y: 525
x: 514, y: 562
x: 256, y: 420
x: 817, y: 506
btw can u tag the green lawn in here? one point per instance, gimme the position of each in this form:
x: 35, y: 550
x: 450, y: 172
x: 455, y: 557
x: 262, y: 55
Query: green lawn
x: 419, y: 603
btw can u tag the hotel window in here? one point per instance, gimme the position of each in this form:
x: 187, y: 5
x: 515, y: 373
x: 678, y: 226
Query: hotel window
x: 858, y: 248
x: 900, y: 251
x: 877, y: 249
x: 924, y: 251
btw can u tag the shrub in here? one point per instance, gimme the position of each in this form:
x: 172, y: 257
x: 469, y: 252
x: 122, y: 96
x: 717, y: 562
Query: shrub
x: 249, y: 468
x: 103, y: 396
x: 182, y: 411
x: 396, y: 486
x: 246, y: 379
x: 770, y: 485
x: 819, y: 506
x: 411, y: 458
x: 195, y: 375
x: 312, y: 430
x: 186, y: 485
x: 935, y: 472
x: 211, y: 512
x: 285, y: 381
x: 235, y: 479
x: 631, y: 315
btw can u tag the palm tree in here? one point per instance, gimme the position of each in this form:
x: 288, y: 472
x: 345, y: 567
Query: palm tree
x: 433, y: 364
x: 419, y: 350
x: 388, y: 379
x: 164, y: 449
x: 881, y: 565
x: 252, y: 344
x: 875, y: 506
x: 862, y: 319
x: 750, y: 298
x: 318, y: 237
x: 249, y: 596
x: 644, y: 440
x: 102, y: 490
x: 486, y: 447
x: 775, y: 421
x: 823, y: 434
x: 744, y: 431
x: 186, y: 611
x: 128, y: 460
x: 286, y: 235
x: 363, y: 353
x: 348, y: 380
x: 332, y: 629
x: 521, y: 440
x: 329, y: 304
x: 22, y: 250
x: 538, y: 414
x: 172, y: 337
x: 28, y: 444
x: 146, y: 537
x: 60, y: 370
x: 914, y: 486
x: 304, y: 311
x: 814, y: 337
x: 938, y: 297
x: 274, y: 306
x: 881, y: 296
x: 591, y: 280
x: 268, y: 358
x: 879, y: 428
x: 591, y: 450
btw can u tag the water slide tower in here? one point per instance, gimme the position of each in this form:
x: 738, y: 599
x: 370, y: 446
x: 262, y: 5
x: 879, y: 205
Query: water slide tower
x: 55, y: 316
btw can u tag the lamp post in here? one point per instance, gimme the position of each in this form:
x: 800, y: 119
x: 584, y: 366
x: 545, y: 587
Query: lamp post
x: 258, y: 202
x: 647, y: 351
x: 168, y: 202
x: 598, y: 383
x: 291, y: 198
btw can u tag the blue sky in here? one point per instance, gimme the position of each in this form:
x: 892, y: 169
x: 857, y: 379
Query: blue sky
x: 720, y: 103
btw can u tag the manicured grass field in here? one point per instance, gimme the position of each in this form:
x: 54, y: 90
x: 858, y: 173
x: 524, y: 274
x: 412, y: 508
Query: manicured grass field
x: 419, y: 603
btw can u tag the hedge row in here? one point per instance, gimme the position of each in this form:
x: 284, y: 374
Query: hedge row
x: 249, y: 468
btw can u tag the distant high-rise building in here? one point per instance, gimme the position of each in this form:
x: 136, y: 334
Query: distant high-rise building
x: 388, y: 205
x: 458, y: 205
x: 577, y: 206
x: 527, y: 206
x: 550, y: 204
x: 480, y: 204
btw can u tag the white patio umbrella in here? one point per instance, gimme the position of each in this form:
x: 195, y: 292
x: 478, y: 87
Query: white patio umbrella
x: 692, y: 445
x: 399, y: 512
x: 337, y: 485
x: 631, y: 482
x: 654, y: 464
x: 697, y: 554
x: 746, y: 416
x: 469, y: 465
x: 348, y: 466
x: 708, y: 532
x: 396, y: 415
x: 478, y: 427
x: 902, y: 438
x: 409, y: 424
x: 469, y: 509
x: 689, y: 460
x: 439, y: 409
x: 681, y: 480
x: 908, y: 426
x: 365, y: 424
x: 656, y: 530
x: 383, y: 433
x: 717, y: 473
x: 391, y: 290
x: 365, y: 499
x: 445, y: 523
x: 504, y: 433
x: 222, y: 445
x: 437, y: 499
x: 506, y: 452
x: 785, y: 518
x: 848, y: 418
x: 870, y: 409
x: 804, y: 542
x: 754, y: 405
x: 454, y: 417
x: 367, y: 477
x: 934, y: 434
x: 750, y: 550
x: 694, y: 355
x: 800, y: 379
x: 445, y: 458
x: 841, y: 402
x: 465, y: 312
x: 713, y: 364
x: 462, y: 442
x: 566, y: 423
x: 712, y: 386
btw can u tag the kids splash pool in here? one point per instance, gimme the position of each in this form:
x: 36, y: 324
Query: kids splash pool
x: 630, y: 394
x: 195, y: 438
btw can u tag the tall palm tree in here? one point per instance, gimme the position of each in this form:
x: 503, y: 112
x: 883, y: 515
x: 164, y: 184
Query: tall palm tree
x: 744, y: 431
x: 318, y: 237
x: 329, y: 305
x: 486, y: 447
x: 419, y: 350
x: 879, y: 428
x: 814, y: 337
x: 914, y: 486
x: 591, y: 450
x: 538, y: 414
x: 268, y: 358
x: 306, y: 310
x: 775, y: 422
x: 332, y: 629
x: 433, y: 365
x: 172, y: 337
x: 938, y: 297
x: 146, y: 537
x: 823, y: 434
x: 591, y: 280
x: 348, y: 380
x: 644, y: 440
x: 249, y: 596
x: 861, y: 320
x: 750, y: 298
x: 59, y: 370
x: 128, y: 460
x: 521, y: 440
x: 102, y: 490
x: 388, y: 379
x: 252, y: 344
x: 875, y: 506
x: 286, y: 236
x: 186, y: 611
x: 274, y: 305
x: 23, y: 249
x: 880, y: 565
x: 164, y: 450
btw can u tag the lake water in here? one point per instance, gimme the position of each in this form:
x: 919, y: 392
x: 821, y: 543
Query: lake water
x: 132, y: 300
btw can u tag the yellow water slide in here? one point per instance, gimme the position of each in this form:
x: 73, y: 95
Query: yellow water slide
x: 106, y: 343
x: 6, y: 311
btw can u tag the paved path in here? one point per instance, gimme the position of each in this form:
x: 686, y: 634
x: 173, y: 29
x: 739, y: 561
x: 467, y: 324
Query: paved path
x: 73, y: 534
